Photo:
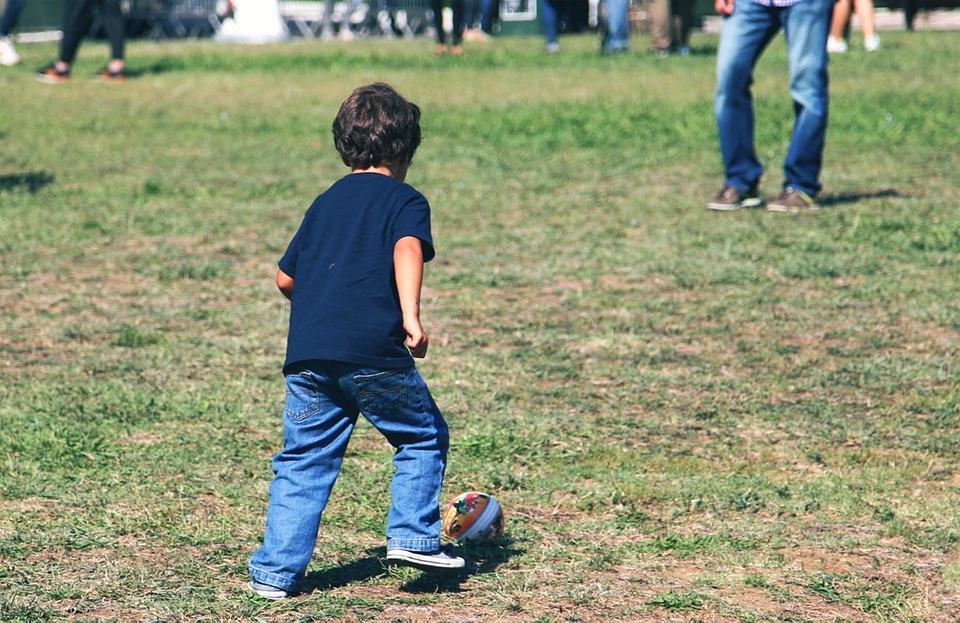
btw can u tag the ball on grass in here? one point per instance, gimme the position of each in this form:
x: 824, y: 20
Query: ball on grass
x: 472, y: 515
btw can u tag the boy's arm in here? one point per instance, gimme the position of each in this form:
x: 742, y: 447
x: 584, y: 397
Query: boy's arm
x: 408, y: 269
x: 285, y: 283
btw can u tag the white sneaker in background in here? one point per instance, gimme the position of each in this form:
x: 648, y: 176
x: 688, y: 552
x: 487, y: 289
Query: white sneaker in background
x: 8, y: 56
x: 836, y: 45
x: 871, y: 43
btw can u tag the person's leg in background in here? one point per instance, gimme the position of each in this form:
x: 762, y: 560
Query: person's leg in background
x: 806, y: 26
x: 837, y: 40
x: 682, y: 24
x: 550, y: 19
x: 660, y: 39
x: 487, y: 10
x: 868, y: 24
x: 456, y: 37
x: 113, y: 23
x: 744, y: 36
x: 437, y: 9
x: 8, y: 21
x: 617, y: 36
x: 77, y: 19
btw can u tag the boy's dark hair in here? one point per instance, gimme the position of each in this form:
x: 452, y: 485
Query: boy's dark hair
x: 376, y: 126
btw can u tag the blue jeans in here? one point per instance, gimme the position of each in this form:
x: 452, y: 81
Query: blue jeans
x: 744, y: 37
x: 321, y: 412
x: 617, y: 37
x: 549, y: 16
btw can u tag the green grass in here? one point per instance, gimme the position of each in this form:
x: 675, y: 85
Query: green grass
x: 686, y: 415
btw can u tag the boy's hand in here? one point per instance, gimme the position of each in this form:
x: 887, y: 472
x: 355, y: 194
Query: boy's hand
x: 408, y: 269
x: 417, y: 340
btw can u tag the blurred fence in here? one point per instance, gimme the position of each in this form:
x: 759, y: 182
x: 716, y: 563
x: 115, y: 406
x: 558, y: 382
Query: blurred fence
x: 158, y: 18
x: 357, y: 18
x: 161, y: 19
x: 39, y: 15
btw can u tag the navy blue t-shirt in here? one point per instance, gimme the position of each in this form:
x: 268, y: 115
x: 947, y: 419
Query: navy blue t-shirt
x: 345, y: 305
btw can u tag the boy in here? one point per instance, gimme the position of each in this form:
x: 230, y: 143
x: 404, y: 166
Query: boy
x: 353, y: 273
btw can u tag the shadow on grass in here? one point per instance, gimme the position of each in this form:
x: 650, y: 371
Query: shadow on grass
x: 157, y: 68
x: 481, y: 558
x: 359, y: 570
x: 855, y: 196
x: 31, y: 182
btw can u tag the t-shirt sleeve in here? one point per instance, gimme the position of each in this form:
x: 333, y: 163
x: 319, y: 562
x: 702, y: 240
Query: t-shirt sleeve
x: 288, y: 262
x: 413, y: 219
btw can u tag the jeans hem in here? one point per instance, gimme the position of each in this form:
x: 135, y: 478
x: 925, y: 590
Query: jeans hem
x: 272, y: 579
x: 414, y: 545
x: 813, y: 192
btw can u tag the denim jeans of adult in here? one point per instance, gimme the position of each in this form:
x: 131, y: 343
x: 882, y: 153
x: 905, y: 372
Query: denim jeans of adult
x: 322, y: 408
x: 550, y: 17
x: 617, y: 37
x: 744, y: 36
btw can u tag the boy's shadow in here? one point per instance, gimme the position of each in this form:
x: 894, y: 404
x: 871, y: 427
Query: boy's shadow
x: 481, y: 557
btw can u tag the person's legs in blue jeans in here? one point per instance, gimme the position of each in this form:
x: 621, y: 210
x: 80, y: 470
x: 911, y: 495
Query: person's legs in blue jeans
x: 806, y: 26
x: 321, y: 411
x: 617, y: 38
x: 318, y: 420
x: 399, y: 405
x: 486, y: 15
x: 550, y: 19
x: 744, y: 36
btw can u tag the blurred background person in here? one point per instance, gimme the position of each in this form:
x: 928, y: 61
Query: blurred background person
x: 8, y: 21
x: 478, y: 20
x: 77, y: 19
x: 661, y: 40
x: 616, y: 33
x: 682, y: 25
x: 840, y: 25
x: 455, y: 45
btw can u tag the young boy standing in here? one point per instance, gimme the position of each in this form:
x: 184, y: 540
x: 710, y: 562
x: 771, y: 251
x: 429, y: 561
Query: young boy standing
x: 353, y: 273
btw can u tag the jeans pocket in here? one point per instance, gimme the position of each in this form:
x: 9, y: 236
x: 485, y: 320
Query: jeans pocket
x: 382, y: 393
x: 303, y: 397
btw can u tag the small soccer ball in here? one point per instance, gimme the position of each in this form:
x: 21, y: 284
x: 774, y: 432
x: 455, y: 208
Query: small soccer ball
x: 473, y: 515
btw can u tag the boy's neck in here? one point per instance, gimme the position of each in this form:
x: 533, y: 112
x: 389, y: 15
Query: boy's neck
x: 381, y: 170
x: 398, y: 171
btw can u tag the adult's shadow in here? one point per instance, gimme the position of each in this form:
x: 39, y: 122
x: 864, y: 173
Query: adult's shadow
x: 157, y: 68
x: 31, y: 181
x: 832, y: 201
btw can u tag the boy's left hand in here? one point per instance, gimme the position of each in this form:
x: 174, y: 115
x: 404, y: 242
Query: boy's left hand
x: 417, y: 340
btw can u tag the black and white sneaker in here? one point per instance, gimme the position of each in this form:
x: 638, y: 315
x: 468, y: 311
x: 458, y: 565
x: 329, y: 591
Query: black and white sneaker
x: 268, y: 592
x: 730, y: 198
x: 438, y: 560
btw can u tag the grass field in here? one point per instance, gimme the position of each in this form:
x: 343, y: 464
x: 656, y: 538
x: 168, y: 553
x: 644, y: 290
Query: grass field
x: 688, y: 416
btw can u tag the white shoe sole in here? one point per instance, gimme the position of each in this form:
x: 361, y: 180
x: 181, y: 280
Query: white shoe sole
x: 268, y: 593
x: 424, y: 562
x: 778, y: 207
x: 729, y: 207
